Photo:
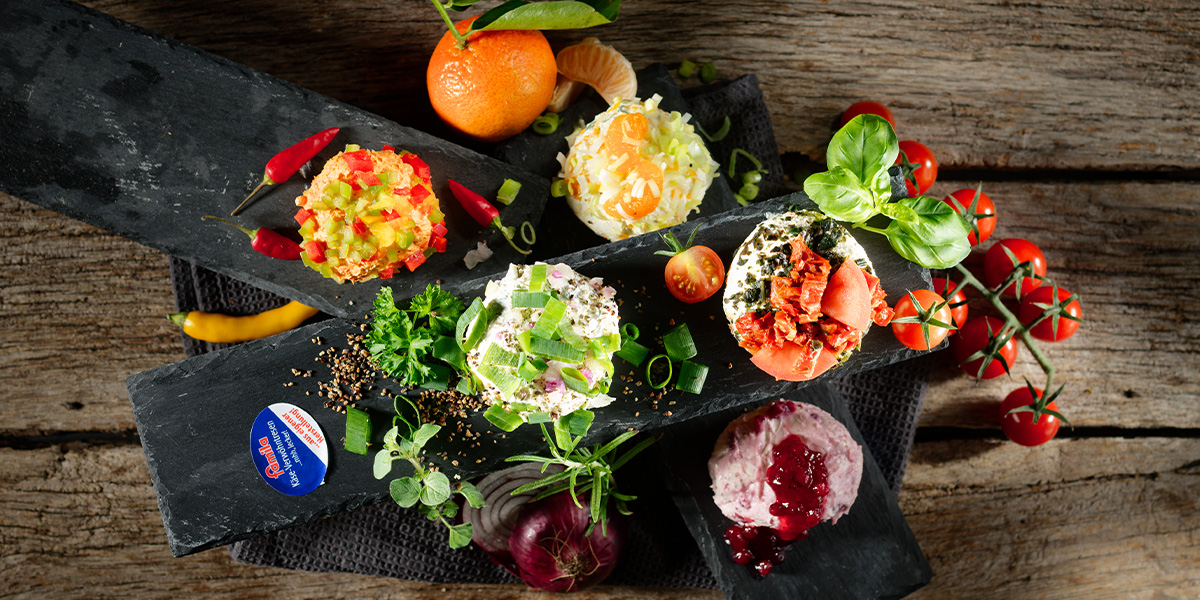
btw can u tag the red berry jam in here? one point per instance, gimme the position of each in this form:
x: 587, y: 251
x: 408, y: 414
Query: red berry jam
x: 800, y: 481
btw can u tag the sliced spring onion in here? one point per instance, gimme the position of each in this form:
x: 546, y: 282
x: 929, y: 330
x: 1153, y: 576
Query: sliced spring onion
x: 567, y: 334
x: 610, y: 342
x: 537, y: 277
x: 633, y: 352
x: 687, y: 68
x: 537, y: 362
x: 538, y: 417
x: 528, y: 234
x: 658, y: 385
x: 523, y: 340
x: 547, y: 123
x: 558, y: 189
x: 691, y: 377
x: 504, y: 381
x: 547, y: 324
x: 503, y: 419
x: 719, y: 134
x: 708, y: 72
x: 555, y: 350
x: 528, y: 371
x: 358, y: 430
x: 630, y: 331
x: 508, y: 191
x: 497, y: 356
x: 465, y: 323
x: 679, y: 344
x: 575, y: 380
x: 466, y: 385
x: 530, y: 299
x: 446, y: 349
x: 439, y: 377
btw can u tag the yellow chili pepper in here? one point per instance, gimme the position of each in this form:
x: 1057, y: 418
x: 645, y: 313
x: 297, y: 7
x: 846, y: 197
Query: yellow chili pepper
x: 218, y: 328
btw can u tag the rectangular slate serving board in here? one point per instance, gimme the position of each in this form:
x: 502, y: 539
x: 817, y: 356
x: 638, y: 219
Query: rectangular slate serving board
x: 141, y: 135
x: 539, y: 154
x: 194, y: 416
x: 869, y: 553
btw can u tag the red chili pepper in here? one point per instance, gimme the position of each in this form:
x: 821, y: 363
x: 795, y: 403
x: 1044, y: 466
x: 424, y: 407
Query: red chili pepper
x: 482, y: 211
x: 315, y: 250
x: 267, y: 242
x: 286, y: 163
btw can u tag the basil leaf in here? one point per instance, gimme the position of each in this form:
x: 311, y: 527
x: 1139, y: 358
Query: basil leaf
x: 899, y: 212
x: 436, y: 490
x: 841, y: 195
x: 460, y: 535
x: 405, y: 491
x: 937, y: 239
x: 557, y: 14
x: 865, y: 146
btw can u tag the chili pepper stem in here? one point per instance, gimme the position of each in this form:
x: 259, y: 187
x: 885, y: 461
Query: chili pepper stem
x: 266, y: 180
x: 243, y: 229
x: 508, y: 234
x: 994, y: 298
x: 462, y: 39
x: 178, y: 318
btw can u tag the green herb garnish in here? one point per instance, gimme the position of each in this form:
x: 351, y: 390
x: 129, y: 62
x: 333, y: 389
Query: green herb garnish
x: 358, y: 430
x: 401, y: 342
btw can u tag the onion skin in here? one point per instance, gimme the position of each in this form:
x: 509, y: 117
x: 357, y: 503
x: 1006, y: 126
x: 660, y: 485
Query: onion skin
x: 552, y: 550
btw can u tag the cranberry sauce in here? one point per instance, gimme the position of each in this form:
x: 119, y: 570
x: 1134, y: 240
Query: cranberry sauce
x: 800, y: 481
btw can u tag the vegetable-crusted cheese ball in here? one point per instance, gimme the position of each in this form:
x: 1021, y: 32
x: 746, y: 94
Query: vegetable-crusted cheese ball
x: 549, y: 347
x: 368, y: 213
x: 635, y: 168
x: 794, y: 444
x: 800, y: 295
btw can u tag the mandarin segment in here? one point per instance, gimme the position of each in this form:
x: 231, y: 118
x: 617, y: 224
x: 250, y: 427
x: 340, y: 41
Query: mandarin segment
x: 600, y: 66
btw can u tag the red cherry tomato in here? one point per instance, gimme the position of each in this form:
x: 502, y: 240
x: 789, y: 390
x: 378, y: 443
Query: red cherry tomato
x: 997, y: 265
x: 695, y: 274
x: 867, y: 107
x: 958, y: 302
x: 1046, y: 329
x: 911, y: 334
x: 983, y: 217
x: 925, y: 169
x: 1019, y: 427
x: 975, y: 336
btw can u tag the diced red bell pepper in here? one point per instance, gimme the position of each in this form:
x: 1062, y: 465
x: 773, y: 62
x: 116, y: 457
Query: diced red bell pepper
x: 439, y: 230
x: 369, y: 178
x: 315, y: 250
x: 439, y: 244
x: 386, y: 273
x: 359, y: 160
x: 419, y: 194
x: 414, y: 261
x: 303, y: 215
x: 360, y: 228
x: 387, y: 148
x: 418, y: 165
x: 389, y: 215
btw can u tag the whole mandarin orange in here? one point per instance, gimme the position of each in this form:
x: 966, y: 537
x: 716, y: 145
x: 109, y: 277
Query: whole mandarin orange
x: 494, y: 87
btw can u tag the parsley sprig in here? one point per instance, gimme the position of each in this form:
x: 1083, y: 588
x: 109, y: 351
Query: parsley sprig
x: 405, y: 342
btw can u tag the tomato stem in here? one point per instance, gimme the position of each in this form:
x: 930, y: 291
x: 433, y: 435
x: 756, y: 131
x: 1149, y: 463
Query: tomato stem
x: 462, y: 39
x: 1010, y: 319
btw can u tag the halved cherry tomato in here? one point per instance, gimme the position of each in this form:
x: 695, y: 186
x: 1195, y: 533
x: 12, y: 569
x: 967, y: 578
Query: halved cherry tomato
x: 1019, y: 427
x: 976, y: 335
x: 912, y: 334
x: 958, y: 302
x: 920, y: 165
x: 997, y: 265
x: 867, y: 107
x: 1047, y: 330
x: 694, y: 273
x: 982, y: 219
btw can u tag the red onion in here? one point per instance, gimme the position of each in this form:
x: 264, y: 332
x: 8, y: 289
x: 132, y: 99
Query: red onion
x: 493, y: 524
x: 553, y: 550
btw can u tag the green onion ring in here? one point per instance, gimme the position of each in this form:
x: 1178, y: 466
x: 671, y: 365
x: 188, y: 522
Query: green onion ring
x: 670, y: 371
x: 629, y: 330
x: 528, y: 235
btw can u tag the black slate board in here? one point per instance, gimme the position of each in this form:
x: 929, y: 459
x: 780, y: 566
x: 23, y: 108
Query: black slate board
x: 141, y: 135
x: 869, y: 553
x: 194, y: 416
x: 539, y: 154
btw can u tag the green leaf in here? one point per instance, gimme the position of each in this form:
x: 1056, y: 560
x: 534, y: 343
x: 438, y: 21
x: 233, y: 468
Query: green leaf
x: 436, y: 490
x: 439, y: 306
x: 557, y: 14
x: 405, y: 491
x: 422, y: 436
x: 471, y: 494
x: 866, y: 145
x: 461, y: 5
x: 460, y: 535
x: 568, y: 426
x: 840, y: 194
x: 358, y: 430
x: 383, y: 463
x: 899, y: 212
x: 446, y: 349
x: 937, y: 239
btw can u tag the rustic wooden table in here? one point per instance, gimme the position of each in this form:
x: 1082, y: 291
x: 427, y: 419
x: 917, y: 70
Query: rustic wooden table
x: 1082, y: 119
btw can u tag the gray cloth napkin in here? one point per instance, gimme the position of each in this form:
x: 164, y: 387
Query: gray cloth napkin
x: 387, y: 540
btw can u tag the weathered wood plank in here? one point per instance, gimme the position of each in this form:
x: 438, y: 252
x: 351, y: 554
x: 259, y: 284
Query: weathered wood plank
x: 1096, y: 518
x: 1097, y: 84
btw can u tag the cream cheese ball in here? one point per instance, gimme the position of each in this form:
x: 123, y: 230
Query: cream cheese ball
x: 550, y: 346
x: 635, y: 168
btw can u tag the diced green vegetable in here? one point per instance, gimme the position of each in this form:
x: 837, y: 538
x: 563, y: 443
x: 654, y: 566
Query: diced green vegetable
x: 508, y: 191
x: 611, y: 342
x: 530, y: 299
x: 504, y: 381
x: 538, y: 417
x: 555, y: 350
x: 497, y: 356
x: 358, y: 430
x: 547, y: 324
x: 708, y: 72
x: 537, y: 277
x: 503, y: 419
x: 633, y: 352
x: 687, y: 68
x: 528, y: 371
x: 691, y: 377
x: 678, y: 343
x: 558, y: 189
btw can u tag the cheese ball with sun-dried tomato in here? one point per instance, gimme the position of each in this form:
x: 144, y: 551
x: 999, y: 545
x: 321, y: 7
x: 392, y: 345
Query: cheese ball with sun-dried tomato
x: 636, y: 168
x: 369, y: 213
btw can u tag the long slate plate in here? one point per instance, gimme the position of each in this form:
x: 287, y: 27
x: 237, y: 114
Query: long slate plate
x: 869, y: 553
x: 539, y: 153
x: 141, y: 135
x: 194, y: 416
